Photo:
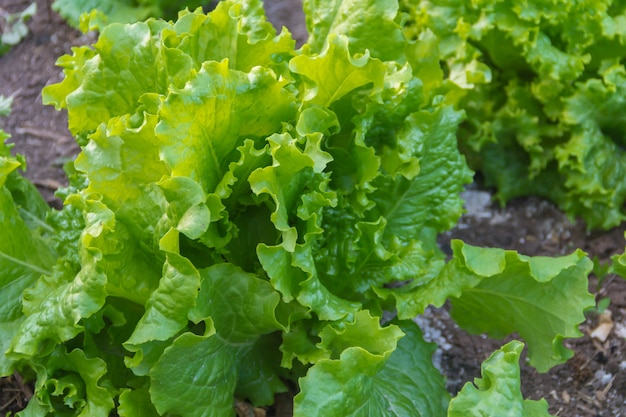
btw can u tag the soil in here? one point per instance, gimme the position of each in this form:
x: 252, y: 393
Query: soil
x: 592, y: 383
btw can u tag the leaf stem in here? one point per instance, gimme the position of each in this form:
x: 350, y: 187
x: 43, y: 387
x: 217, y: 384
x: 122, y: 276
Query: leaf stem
x: 25, y: 264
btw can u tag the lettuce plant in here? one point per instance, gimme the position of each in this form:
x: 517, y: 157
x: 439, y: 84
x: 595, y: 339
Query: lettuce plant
x: 13, y: 27
x: 241, y: 215
x: 543, y: 87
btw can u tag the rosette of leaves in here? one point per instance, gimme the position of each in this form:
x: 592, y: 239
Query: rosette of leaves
x: 543, y: 86
x: 13, y: 27
x: 240, y: 216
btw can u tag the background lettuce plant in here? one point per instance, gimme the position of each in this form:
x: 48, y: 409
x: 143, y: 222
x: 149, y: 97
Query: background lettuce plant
x: 543, y: 87
x: 242, y: 213
x: 13, y: 27
x: 121, y: 11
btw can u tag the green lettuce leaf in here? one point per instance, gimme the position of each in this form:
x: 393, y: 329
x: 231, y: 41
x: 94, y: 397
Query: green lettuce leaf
x: 205, y: 369
x: 372, y: 29
x: 367, y: 380
x: 14, y: 27
x: 543, y: 97
x: 136, y: 402
x: 70, y: 383
x: 121, y: 11
x: 618, y: 264
x: 498, y: 392
x: 24, y: 254
x: 499, y: 292
x: 219, y: 103
x: 242, y: 213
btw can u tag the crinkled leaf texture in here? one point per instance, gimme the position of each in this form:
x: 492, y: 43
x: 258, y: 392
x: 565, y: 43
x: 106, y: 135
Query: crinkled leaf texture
x: 120, y: 11
x: 237, y: 223
x: 543, y: 88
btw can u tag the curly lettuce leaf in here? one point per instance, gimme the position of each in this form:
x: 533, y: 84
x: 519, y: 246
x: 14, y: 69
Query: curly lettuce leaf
x: 499, y: 292
x: 542, y: 89
x: 246, y: 221
x: 121, y: 11
x: 431, y: 198
x: 372, y: 29
x: 335, y: 72
x: 214, y: 113
x: 70, y: 383
x: 237, y: 308
x: 498, y: 392
x: 101, y: 82
x: 363, y: 379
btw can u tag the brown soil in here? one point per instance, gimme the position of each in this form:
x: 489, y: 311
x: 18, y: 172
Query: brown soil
x: 593, y: 383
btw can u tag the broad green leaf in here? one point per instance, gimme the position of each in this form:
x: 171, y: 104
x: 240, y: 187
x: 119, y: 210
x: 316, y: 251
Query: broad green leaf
x: 29, y: 202
x: 132, y: 269
x: 204, y: 385
x: 24, y: 257
x: 398, y: 382
x: 246, y: 312
x: 431, y: 198
x: 409, y: 380
x: 55, y: 307
x: 259, y: 372
x: 168, y: 306
x: 7, y: 330
x: 498, y: 392
x: 341, y: 386
x: 122, y: 165
x: 241, y: 305
x: 499, y: 292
